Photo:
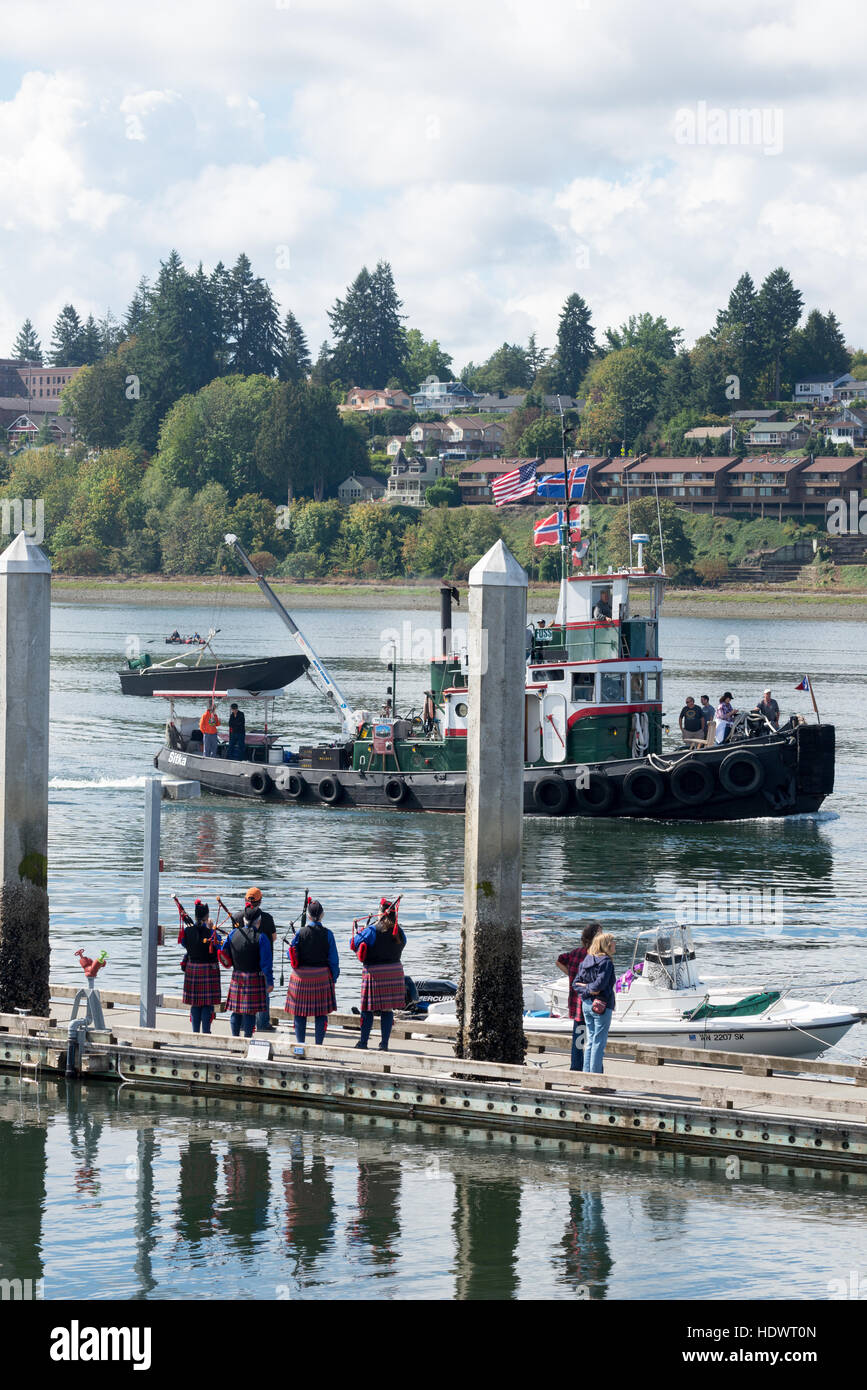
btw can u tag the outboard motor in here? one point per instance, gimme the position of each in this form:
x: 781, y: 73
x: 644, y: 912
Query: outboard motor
x: 420, y: 995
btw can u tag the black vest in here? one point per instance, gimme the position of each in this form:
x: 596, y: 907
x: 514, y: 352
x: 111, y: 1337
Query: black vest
x: 385, y: 949
x: 196, y: 940
x: 244, y: 949
x: 312, y: 945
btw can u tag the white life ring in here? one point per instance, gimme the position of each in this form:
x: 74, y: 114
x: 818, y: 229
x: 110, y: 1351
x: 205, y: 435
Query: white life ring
x: 640, y: 734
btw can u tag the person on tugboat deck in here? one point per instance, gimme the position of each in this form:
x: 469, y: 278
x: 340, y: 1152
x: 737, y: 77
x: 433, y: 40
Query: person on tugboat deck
x: 725, y: 713
x: 568, y: 963
x: 247, y: 951
x: 770, y: 709
x: 690, y: 720
x: 705, y: 709
x: 379, y: 947
x: 209, y: 724
x: 201, y: 968
x: 315, y: 970
x: 602, y: 607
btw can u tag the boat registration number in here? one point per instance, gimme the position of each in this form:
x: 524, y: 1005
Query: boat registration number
x: 716, y: 1037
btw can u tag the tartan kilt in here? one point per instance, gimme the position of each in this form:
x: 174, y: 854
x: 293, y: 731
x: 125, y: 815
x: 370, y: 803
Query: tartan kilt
x: 382, y: 988
x: 201, y: 984
x: 248, y: 994
x: 311, y: 991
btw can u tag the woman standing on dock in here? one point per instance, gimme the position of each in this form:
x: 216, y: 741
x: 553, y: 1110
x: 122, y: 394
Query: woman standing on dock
x: 315, y: 970
x: 248, y: 951
x: 379, y: 947
x: 201, y: 968
x: 595, y: 984
x: 568, y: 963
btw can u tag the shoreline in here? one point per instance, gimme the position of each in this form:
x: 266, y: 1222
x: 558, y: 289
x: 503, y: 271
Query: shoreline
x: 198, y: 592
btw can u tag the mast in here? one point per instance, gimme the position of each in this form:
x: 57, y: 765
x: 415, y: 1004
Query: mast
x: 316, y: 672
x: 564, y: 529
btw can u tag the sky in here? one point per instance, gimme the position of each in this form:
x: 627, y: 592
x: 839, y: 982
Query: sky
x: 500, y: 155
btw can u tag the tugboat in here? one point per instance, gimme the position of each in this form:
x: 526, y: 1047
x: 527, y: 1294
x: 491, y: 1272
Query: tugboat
x: 592, y: 729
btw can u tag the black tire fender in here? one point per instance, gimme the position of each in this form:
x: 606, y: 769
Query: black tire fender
x: 644, y: 787
x: 692, y: 782
x: 260, y: 782
x: 395, y: 790
x: 329, y: 790
x: 598, y: 797
x: 742, y: 773
x: 551, y: 795
x: 295, y: 786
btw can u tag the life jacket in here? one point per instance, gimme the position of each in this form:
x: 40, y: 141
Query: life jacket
x: 197, y: 943
x: 312, y: 945
x: 384, y: 949
x: 244, y: 949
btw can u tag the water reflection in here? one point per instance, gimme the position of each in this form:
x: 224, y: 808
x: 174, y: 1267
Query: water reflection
x: 243, y: 1209
x: 197, y: 1190
x: 310, y: 1207
x: 375, y: 1226
x: 486, y: 1225
x: 585, y: 1262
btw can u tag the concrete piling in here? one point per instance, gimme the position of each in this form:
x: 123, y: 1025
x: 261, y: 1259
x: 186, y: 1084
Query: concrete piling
x: 490, y: 995
x: 150, y: 903
x: 25, y: 636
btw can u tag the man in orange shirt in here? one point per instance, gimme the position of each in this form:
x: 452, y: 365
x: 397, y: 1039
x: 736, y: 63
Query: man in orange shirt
x: 209, y: 724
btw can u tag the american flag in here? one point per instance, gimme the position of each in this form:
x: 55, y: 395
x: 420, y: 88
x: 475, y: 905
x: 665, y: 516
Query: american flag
x: 511, y: 487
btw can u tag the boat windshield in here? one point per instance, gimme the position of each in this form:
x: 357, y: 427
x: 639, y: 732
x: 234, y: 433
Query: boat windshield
x: 669, y: 953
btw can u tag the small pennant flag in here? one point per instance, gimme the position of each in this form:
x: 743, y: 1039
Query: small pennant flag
x: 553, y: 484
x: 805, y: 684
x: 580, y: 552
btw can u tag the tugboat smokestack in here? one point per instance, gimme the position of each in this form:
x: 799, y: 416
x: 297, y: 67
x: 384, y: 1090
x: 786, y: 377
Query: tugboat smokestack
x: 446, y: 619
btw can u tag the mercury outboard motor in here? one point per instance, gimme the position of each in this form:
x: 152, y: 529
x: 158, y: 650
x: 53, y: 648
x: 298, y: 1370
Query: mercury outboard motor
x: 422, y: 993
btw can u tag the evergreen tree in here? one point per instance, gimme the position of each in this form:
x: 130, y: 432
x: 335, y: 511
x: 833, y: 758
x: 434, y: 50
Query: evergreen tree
x: 90, y: 346
x: 295, y: 361
x: 370, y: 338
x: 741, y: 320
x: 779, y: 311
x: 111, y: 334
x: 255, y: 341
x: 137, y: 309
x: 66, y: 339
x: 424, y: 359
x: 576, y: 345
x: 678, y: 388
x: 818, y: 348
x: 507, y: 369
x: 27, y: 347
x: 536, y: 356
x: 389, y: 337
x: 651, y: 335
x: 323, y: 372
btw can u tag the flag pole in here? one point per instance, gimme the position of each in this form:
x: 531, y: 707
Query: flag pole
x: 813, y: 698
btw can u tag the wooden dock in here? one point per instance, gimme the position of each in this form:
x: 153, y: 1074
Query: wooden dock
x: 811, y: 1114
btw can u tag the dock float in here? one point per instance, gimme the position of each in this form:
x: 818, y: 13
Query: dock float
x: 811, y: 1113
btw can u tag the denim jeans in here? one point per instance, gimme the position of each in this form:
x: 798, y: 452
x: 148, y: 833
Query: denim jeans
x: 200, y: 1017
x: 235, y: 1022
x: 263, y: 1020
x: 237, y: 749
x: 210, y: 745
x: 319, y: 1022
x: 597, y: 1036
x: 386, y: 1023
x: 579, y: 1034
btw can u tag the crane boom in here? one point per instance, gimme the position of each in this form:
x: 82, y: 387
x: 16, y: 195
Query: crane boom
x: 315, y: 672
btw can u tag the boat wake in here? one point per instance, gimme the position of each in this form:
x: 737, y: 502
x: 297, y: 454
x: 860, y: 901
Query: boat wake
x: 98, y: 783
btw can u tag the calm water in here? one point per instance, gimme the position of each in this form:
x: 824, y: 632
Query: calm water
x: 280, y: 1204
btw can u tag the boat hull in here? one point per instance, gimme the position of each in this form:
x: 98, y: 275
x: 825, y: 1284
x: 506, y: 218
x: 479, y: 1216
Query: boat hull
x: 796, y: 774
x: 250, y: 677
x: 770, y: 1038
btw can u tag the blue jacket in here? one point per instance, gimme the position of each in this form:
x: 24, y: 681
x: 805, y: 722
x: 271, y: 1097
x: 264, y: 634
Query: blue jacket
x: 596, y: 977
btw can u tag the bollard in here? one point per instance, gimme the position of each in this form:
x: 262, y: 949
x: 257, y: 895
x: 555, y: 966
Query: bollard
x: 150, y: 903
x: 490, y: 1000
x: 25, y: 658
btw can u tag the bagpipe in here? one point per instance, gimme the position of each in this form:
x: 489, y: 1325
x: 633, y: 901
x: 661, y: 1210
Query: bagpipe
x: 213, y: 938
x: 386, y: 905
x: 292, y: 952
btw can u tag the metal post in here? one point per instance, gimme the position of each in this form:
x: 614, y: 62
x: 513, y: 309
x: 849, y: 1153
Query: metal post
x: 150, y: 903
x: 25, y: 637
x: 490, y: 996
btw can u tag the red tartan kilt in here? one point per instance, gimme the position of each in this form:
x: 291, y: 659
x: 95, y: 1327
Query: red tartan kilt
x: 382, y: 988
x: 201, y: 984
x: 311, y: 992
x: 248, y: 994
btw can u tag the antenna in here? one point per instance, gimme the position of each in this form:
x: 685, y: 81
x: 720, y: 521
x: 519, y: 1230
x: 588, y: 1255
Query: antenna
x: 641, y: 540
x: 628, y: 515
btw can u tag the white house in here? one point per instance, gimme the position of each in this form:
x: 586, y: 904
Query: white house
x: 443, y: 396
x: 821, y: 387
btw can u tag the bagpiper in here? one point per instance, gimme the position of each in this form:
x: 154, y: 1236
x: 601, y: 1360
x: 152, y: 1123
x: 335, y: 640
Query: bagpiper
x: 315, y: 970
x: 247, y: 950
x: 379, y: 947
x: 201, y: 968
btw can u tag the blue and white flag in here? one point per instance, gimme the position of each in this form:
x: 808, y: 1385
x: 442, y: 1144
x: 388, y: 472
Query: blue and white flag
x: 553, y: 484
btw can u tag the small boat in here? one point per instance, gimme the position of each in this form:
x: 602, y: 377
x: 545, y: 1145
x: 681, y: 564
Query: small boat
x: 176, y: 640
x: 140, y: 676
x: 662, y: 1002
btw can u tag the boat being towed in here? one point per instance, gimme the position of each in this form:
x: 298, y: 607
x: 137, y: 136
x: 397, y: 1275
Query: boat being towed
x: 142, y: 676
x: 663, y: 1002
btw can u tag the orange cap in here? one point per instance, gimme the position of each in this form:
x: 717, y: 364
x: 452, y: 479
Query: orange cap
x: 253, y: 895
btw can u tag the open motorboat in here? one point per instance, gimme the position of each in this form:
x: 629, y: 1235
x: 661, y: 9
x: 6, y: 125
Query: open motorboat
x: 662, y: 1001
x: 253, y: 676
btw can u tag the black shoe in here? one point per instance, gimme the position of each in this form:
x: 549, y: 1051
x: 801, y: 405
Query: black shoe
x: 270, y: 1028
x: 363, y: 1046
x: 383, y: 1047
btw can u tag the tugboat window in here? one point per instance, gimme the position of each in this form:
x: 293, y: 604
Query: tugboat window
x: 636, y: 687
x: 558, y: 674
x: 461, y: 710
x: 654, y: 685
x: 582, y: 687
x: 613, y: 692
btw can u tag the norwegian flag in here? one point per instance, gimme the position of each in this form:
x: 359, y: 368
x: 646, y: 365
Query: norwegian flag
x: 547, y: 531
x: 511, y: 487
